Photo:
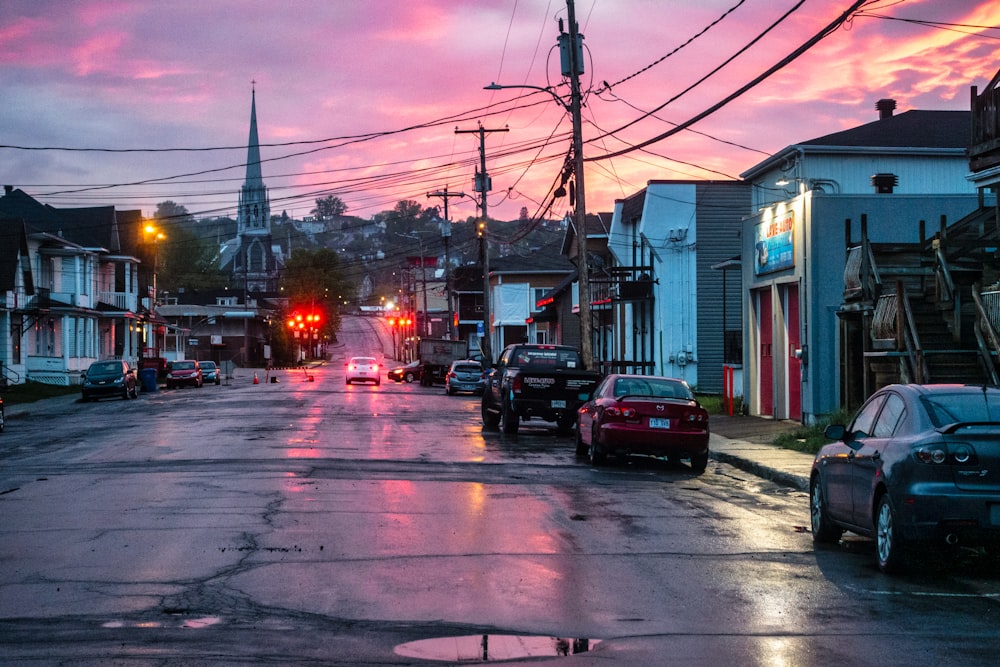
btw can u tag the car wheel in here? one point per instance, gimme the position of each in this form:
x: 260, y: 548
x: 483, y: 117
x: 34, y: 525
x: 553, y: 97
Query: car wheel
x: 565, y: 425
x: 511, y: 421
x: 888, y: 544
x: 125, y: 394
x: 581, y: 447
x: 408, y: 377
x: 595, y: 454
x: 449, y: 391
x: 823, y: 530
x: 699, y: 462
x: 348, y: 380
x: 490, y: 420
x: 378, y: 383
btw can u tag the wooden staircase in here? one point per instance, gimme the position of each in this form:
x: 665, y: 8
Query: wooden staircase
x: 924, y: 327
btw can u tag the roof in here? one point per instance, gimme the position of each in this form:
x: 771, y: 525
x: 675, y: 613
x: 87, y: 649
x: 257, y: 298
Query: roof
x: 910, y: 131
x: 12, y: 244
x: 94, y: 227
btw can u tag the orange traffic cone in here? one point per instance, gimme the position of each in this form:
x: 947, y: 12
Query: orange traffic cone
x: 255, y: 380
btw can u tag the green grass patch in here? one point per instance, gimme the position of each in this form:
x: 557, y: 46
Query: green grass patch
x: 29, y: 392
x: 810, y: 438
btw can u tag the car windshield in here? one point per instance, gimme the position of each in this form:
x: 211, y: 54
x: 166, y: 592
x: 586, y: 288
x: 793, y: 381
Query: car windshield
x: 363, y: 361
x: 105, y: 368
x: 544, y: 358
x: 652, y: 387
x: 183, y: 366
x: 208, y: 365
x: 949, y: 408
x: 468, y: 368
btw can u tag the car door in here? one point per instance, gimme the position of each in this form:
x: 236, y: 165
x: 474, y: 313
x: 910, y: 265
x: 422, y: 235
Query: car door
x: 868, y: 459
x: 838, y: 466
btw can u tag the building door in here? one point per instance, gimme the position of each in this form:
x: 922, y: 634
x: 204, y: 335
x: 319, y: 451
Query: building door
x: 794, y: 344
x: 765, y: 355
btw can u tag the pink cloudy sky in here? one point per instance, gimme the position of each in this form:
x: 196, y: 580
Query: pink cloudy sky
x: 364, y: 97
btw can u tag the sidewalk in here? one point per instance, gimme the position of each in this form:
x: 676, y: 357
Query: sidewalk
x: 743, y: 442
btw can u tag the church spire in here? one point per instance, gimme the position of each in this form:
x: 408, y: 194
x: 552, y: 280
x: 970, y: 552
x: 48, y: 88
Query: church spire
x: 254, y: 178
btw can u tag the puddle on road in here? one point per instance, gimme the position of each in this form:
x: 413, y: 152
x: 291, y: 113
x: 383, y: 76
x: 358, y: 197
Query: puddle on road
x: 486, y: 648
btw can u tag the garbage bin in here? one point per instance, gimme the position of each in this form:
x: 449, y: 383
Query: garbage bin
x: 147, y: 378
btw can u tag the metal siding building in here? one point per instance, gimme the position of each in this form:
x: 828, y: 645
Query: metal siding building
x: 721, y: 207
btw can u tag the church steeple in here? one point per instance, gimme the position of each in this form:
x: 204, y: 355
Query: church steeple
x: 254, y: 265
x: 254, y: 177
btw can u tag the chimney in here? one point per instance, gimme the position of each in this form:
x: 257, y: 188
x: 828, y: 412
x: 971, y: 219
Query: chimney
x: 7, y: 189
x: 885, y: 108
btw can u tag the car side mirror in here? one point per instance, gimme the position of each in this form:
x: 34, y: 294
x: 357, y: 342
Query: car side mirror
x: 838, y: 432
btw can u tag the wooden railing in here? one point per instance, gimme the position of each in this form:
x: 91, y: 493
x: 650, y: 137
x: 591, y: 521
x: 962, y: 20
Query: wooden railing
x: 987, y: 320
x: 893, y: 324
x: 945, y: 291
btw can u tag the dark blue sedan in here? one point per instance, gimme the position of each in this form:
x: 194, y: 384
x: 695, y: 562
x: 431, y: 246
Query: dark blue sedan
x: 918, y: 466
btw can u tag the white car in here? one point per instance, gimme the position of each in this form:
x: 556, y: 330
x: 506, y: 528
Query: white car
x: 364, y: 369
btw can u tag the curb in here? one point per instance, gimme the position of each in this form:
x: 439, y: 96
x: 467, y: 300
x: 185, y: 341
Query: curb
x: 777, y: 476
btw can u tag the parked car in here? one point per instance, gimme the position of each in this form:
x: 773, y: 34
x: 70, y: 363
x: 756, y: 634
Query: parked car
x: 182, y: 372
x: 408, y: 373
x: 918, y: 465
x: 112, y: 377
x: 210, y: 372
x: 464, y: 375
x: 364, y: 369
x: 646, y: 415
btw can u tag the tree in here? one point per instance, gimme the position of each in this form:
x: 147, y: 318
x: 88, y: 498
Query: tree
x: 314, y: 281
x: 329, y: 207
x: 183, y: 258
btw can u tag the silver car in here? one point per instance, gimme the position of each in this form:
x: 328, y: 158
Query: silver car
x: 363, y: 369
x: 464, y: 375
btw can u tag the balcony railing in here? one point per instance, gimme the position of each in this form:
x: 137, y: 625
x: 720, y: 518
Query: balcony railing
x: 120, y: 300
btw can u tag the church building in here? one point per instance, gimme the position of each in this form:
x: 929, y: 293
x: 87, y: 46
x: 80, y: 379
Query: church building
x: 250, y: 258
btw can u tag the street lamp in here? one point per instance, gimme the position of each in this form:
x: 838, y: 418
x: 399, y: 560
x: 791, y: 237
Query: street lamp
x: 157, y: 236
x: 573, y: 107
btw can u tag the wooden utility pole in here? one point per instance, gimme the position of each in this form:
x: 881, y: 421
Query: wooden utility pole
x: 446, y: 233
x: 482, y: 187
x: 576, y: 102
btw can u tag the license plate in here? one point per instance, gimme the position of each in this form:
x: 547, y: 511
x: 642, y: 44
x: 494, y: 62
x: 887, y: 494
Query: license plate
x: 658, y: 422
x: 558, y: 404
x: 995, y: 514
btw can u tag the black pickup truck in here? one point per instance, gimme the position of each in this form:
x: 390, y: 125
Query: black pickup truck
x: 546, y: 382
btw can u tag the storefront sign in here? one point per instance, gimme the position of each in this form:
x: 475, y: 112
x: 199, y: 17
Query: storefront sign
x: 774, y: 247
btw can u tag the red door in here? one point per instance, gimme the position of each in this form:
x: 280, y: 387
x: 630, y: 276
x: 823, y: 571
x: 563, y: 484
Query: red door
x: 794, y: 362
x: 765, y: 360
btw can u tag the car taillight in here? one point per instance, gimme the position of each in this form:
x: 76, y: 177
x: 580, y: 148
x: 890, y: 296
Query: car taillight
x: 516, y: 384
x: 452, y: 375
x: 620, y: 413
x: 961, y: 454
x: 696, y: 417
x: 352, y: 367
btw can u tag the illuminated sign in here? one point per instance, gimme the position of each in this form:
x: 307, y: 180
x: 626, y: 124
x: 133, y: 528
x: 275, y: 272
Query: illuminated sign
x: 774, y: 246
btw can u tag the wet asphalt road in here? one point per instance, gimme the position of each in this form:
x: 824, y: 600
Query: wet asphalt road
x: 311, y: 522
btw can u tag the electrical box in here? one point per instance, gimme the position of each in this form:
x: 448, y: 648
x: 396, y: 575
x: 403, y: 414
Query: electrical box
x: 564, y: 54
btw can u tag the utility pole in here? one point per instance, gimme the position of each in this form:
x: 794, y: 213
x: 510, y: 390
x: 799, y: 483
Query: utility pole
x: 575, y: 48
x: 446, y: 233
x: 482, y: 183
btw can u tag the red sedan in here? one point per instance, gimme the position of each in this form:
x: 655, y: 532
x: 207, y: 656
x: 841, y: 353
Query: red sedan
x: 644, y: 415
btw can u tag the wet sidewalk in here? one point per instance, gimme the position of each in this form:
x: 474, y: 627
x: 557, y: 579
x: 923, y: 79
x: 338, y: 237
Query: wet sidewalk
x: 744, y: 442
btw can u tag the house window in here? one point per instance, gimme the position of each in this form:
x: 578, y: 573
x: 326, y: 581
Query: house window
x: 537, y: 293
